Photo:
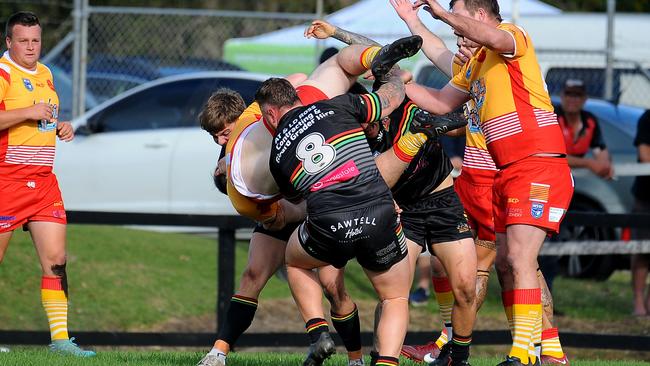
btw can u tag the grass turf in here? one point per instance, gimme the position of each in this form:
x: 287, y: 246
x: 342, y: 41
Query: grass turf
x: 130, y: 280
x: 26, y: 356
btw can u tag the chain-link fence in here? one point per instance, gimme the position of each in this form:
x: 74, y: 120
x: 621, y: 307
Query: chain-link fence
x: 130, y: 46
x: 631, y: 80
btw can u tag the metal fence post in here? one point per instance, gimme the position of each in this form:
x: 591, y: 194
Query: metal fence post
x: 79, y: 57
x: 83, y: 57
x: 226, y: 272
x: 76, y: 56
x: 609, y: 51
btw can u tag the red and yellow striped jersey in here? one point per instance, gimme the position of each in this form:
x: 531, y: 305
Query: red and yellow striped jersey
x: 478, y: 166
x: 27, y: 148
x: 510, y: 102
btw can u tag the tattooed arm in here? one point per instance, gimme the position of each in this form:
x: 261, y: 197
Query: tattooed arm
x: 391, y: 93
x: 321, y: 29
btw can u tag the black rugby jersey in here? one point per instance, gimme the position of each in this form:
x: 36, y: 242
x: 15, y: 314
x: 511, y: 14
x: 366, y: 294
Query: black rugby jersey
x: 320, y: 153
x: 428, y: 168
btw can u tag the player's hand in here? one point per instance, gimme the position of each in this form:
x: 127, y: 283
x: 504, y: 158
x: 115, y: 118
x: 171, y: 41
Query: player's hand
x: 430, y: 6
x: 277, y: 222
x: 320, y: 29
x: 398, y: 210
x: 405, y: 10
x: 601, y: 168
x: 39, y: 111
x: 462, y: 55
x: 221, y: 167
x: 64, y: 131
x: 405, y: 75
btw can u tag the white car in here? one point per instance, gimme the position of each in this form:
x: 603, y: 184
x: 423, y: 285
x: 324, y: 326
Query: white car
x: 143, y: 150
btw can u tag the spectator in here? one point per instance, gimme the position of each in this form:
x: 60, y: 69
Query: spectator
x: 641, y: 262
x: 581, y: 132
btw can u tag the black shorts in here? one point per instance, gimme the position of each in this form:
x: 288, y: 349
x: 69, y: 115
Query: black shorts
x: 372, y: 234
x: 437, y: 218
x: 283, y: 234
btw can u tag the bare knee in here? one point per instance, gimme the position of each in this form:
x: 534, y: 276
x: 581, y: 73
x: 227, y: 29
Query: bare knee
x: 465, y: 292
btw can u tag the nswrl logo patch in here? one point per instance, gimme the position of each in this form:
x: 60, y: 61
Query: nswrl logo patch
x: 28, y: 84
x: 537, y: 210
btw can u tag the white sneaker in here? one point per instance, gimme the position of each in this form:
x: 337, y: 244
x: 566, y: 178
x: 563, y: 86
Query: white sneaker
x: 212, y: 360
x: 4, y: 349
x: 358, y: 362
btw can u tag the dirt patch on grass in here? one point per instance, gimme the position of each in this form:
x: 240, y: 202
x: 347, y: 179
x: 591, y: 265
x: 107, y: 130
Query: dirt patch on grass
x: 281, y: 315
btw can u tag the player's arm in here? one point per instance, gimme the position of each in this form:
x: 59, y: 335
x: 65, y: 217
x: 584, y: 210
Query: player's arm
x: 432, y: 46
x: 391, y: 93
x: 436, y: 101
x: 286, y: 213
x: 321, y: 29
x: 493, y: 38
x: 35, y: 112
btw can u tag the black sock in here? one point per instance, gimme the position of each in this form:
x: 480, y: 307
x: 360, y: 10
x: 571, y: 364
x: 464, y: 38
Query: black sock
x: 239, y: 317
x: 349, y: 329
x: 315, y: 327
x: 385, y: 360
x: 460, y: 347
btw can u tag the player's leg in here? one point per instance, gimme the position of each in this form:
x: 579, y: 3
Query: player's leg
x: 4, y: 243
x: 551, y: 348
x: 414, y: 251
x: 337, y: 74
x: 486, y: 254
x: 50, y: 242
x: 459, y: 260
x: 307, y: 293
x: 392, y: 287
x: 518, y: 267
x: 344, y: 312
x: 420, y: 296
x: 265, y: 256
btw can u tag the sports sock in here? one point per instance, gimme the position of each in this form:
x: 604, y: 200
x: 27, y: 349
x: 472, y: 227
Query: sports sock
x: 349, y: 329
x: 445, y: 298
x: 239, y: 317
x: 55, y: 303
x: 315, y: 327
x: 408, y: 146
x: 551, y: 343
x: 526, y: 308
x: 386, y: 361
x: 368, y: 55
x: 536, y: 340
x: 460, y: 347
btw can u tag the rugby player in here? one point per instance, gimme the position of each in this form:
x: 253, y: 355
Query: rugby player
x: 431, y: 213
x: 252, y: 192
x: 533, y: 187
x: 320, y: 155
x: 29, y: 191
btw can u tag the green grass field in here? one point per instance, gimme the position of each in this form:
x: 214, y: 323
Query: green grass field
x: 131, y: 280
x: 28, y: 357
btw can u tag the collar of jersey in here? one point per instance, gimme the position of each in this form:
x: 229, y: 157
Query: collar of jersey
x: 32, y: 72
x: 268, y: 127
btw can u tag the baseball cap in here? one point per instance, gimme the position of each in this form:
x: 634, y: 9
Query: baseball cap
x: 575, y: 86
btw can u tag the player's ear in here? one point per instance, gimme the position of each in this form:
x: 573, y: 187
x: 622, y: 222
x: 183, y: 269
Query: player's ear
x: 272, y: 113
